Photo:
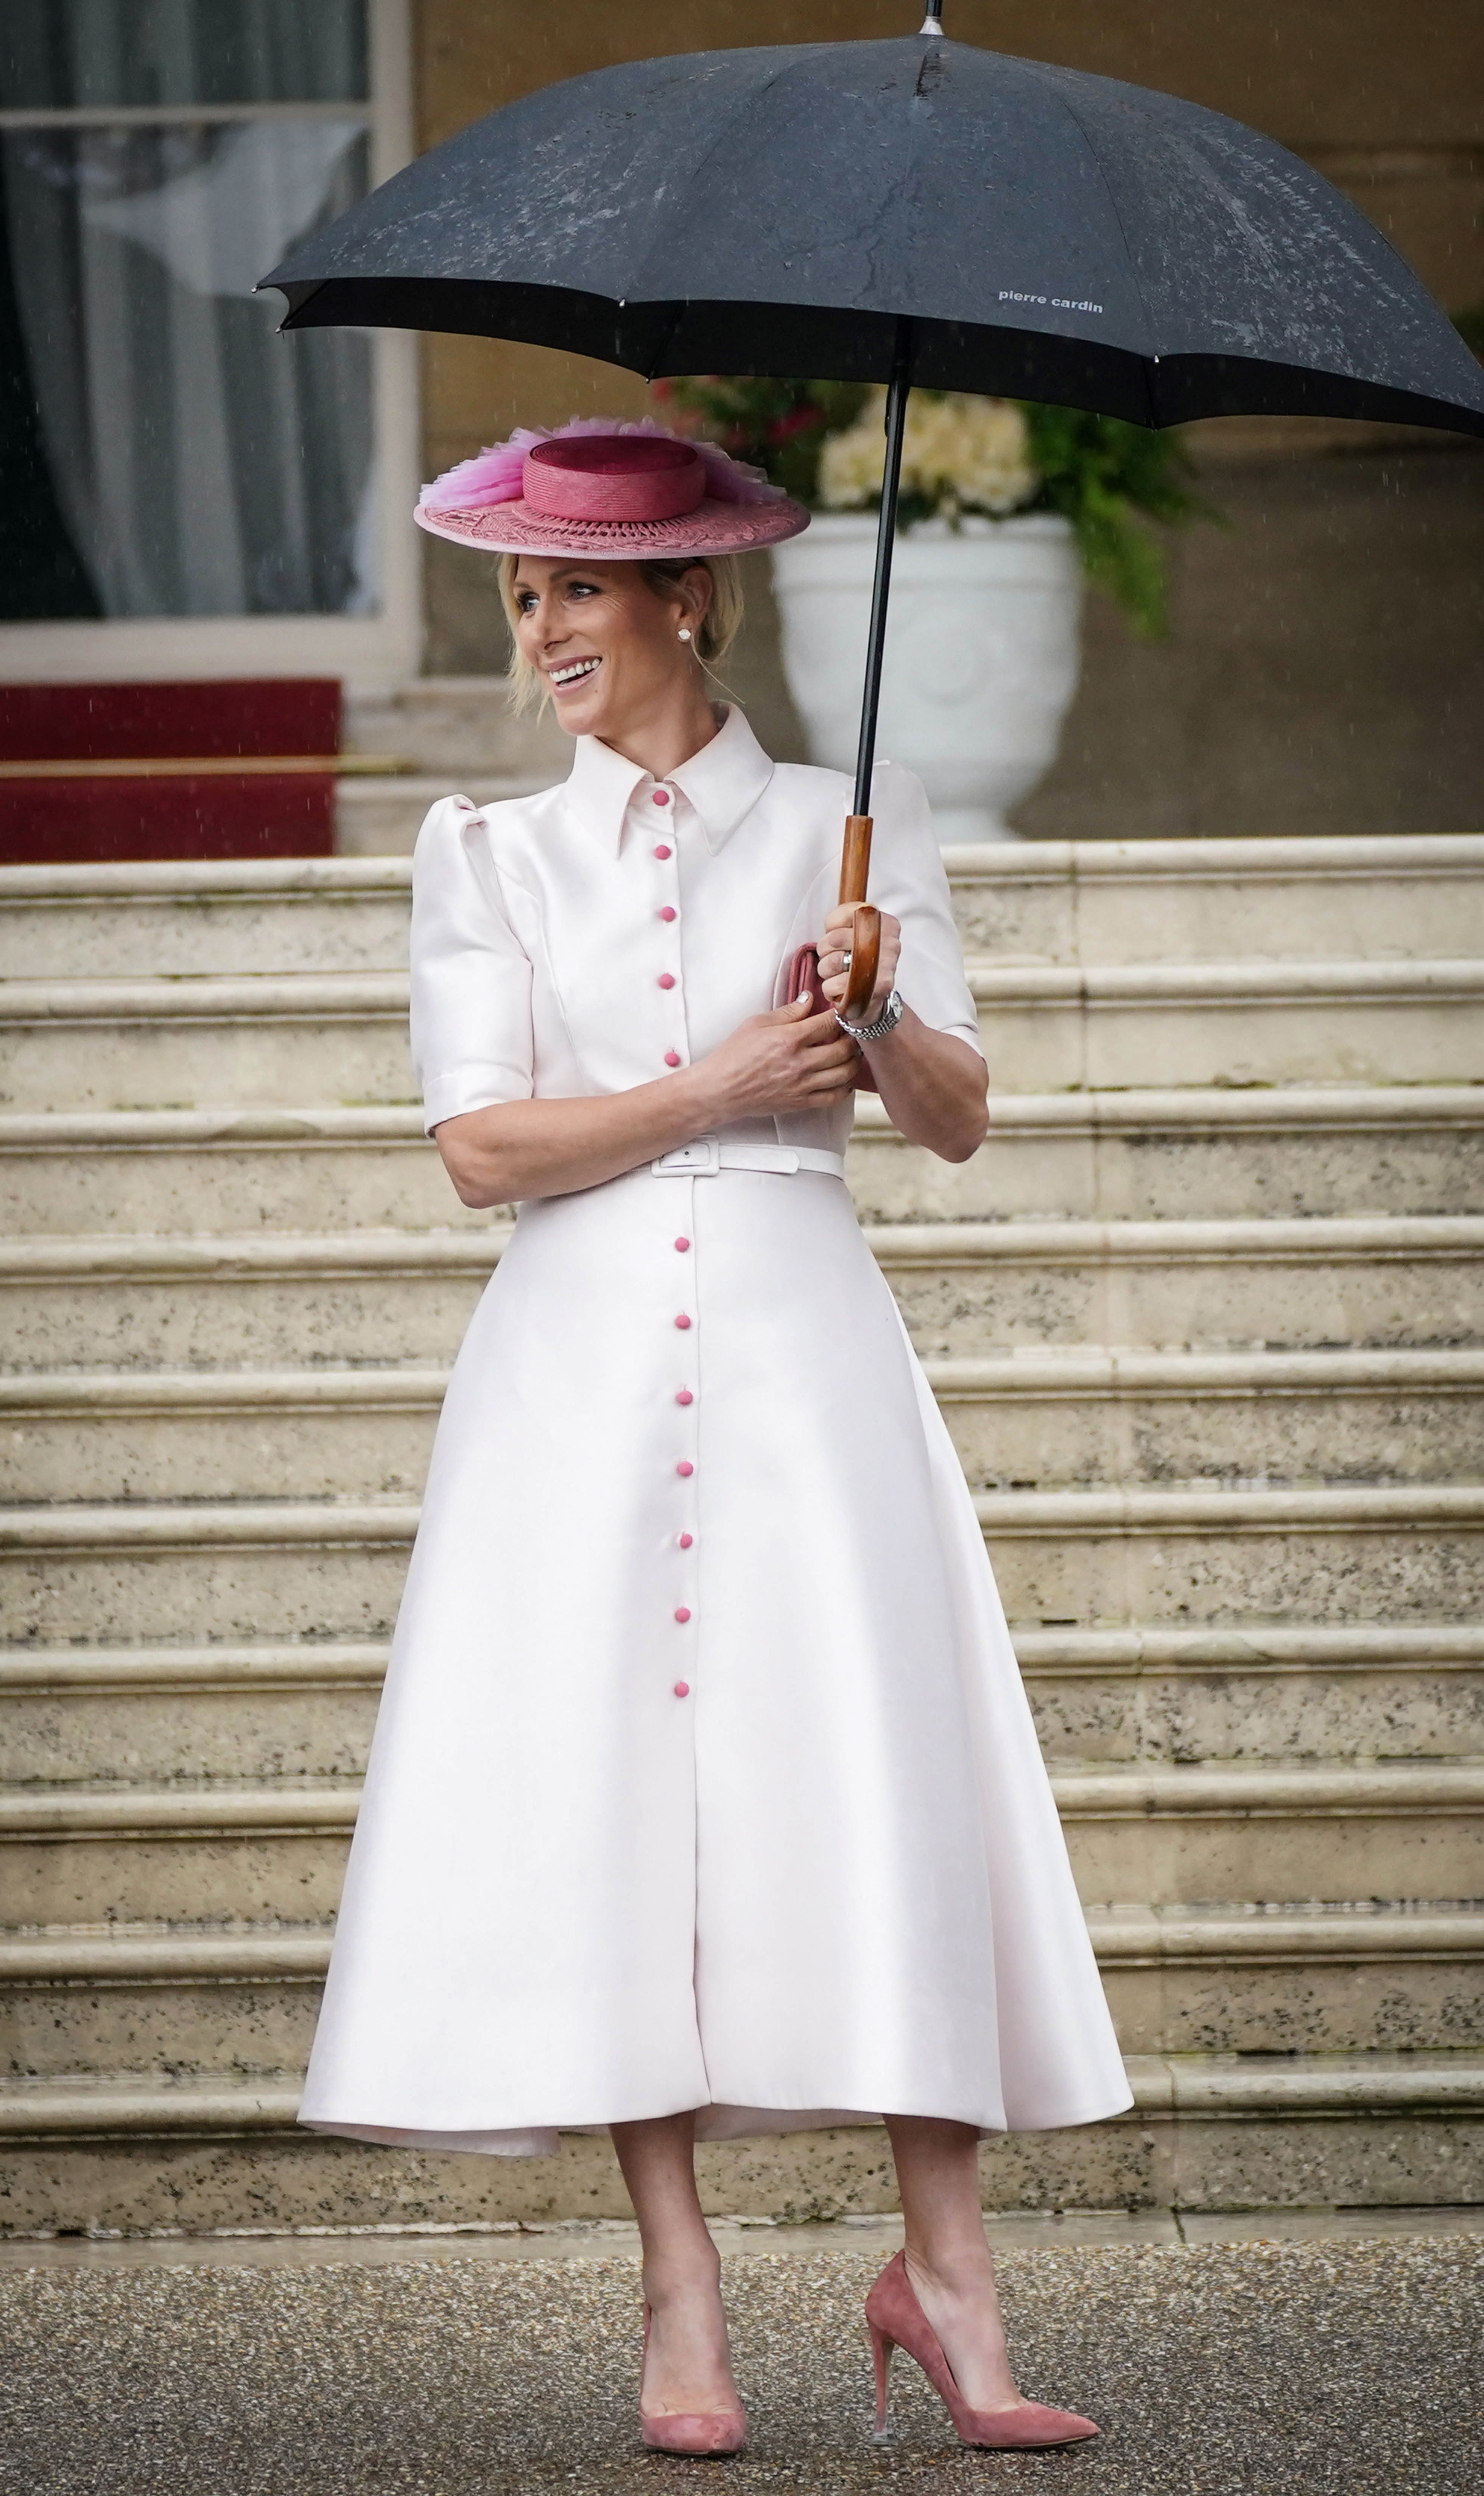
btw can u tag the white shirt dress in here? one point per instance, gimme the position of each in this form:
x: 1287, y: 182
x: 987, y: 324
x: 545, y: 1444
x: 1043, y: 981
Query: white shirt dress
x: 703, y: 1776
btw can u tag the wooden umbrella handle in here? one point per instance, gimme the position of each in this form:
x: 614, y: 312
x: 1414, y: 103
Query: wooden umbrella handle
x: 866, y: 933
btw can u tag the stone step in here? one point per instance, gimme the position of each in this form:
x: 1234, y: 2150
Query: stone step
x: 287, y: 1039
x: 132, y: 1573
x: 281, y: 1040
x: 971, y: 1287
x: 1248, y: 1692
x: 1053, y: 901
x: 217, y: 917
x: 1206, y: 2131
x: 1206, y: 1154
x: 187, y: 2003
x: 1094, y: 901
x: 1098, y: 1558
x: 275, y: 1853
x: 1020, y: 1421
x: 1209, y: 1155
x: 1087, y: 1417
x: 964, y: 1288
x: 1112, y: 1026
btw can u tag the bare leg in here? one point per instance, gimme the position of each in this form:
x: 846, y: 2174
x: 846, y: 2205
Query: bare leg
x: 947, y: 2258
x: 689, y: 2367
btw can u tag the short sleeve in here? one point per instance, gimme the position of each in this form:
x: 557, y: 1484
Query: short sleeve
x: 471, y: 978
x: 907, y: 878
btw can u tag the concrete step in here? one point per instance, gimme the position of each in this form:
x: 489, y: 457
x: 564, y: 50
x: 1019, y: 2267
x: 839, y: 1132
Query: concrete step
x: 281, y: 1040
x: 1083, y: 1417
x: 263, y: 1298
x: 1206, y: 1155
x: 1020, y: 1421
x: 187, y: 2003
x: 142, y: 1303
x: 1090, y: 1558
x: 292, y: 1039
x: 242, y: 1571
x: 1248, y: 1693
x: 1052, y: 901
x: 1115, y: 1156
x: 218, y: 918
x: 203, y: 1434
x: 1111, y: 1026
x: 969, y: 1288
x: 1206, y: 2131
x: 1252, y: 1690
x: 1252, y: 1834
x: 1096, y: 901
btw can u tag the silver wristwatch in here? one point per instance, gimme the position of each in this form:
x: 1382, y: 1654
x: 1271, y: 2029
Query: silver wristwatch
x: 886, y: 1020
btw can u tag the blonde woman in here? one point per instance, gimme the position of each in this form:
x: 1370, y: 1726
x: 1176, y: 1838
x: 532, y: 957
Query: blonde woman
x: 705, y: 1798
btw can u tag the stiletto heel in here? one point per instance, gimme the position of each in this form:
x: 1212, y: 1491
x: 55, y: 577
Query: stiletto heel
x: 895, y: 2318
x: 880, y: 2356
x: 702, y: 2434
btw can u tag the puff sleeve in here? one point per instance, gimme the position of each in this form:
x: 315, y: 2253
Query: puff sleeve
x: 471, y: 978
x: 907, y: 878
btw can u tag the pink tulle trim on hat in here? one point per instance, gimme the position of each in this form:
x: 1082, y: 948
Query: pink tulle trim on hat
x: 495, y: 476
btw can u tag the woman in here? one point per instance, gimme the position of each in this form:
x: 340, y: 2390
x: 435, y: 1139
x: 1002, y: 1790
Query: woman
x: 705, y: 1798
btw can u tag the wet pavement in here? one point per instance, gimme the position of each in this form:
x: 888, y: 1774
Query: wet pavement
x: 1345, y: 2364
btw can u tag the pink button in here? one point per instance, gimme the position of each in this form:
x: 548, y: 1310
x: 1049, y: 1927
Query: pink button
x: 666, y: 913
x: 685, y: 1541
x: 682, y: 1245
x: 671, y: 1058
x: 662, y: 796
x: 685, y: 1469
x: 681, y: 1690
x: 667, y: 978
x: 685, y: 1397
x: 683, y: 1322
x: 662, y: 848
x: 682, y: 1612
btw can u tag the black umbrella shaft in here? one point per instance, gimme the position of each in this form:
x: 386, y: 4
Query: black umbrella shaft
x: 880, y: 587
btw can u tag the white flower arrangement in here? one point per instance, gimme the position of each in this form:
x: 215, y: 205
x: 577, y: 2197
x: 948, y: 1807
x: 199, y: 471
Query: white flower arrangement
x: 959, y: 454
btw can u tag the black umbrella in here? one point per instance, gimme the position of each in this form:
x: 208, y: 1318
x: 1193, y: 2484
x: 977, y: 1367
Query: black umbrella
x: 907, y: 211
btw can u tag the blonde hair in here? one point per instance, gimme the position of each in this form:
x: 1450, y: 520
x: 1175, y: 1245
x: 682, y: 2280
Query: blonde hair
x: 715, y: 635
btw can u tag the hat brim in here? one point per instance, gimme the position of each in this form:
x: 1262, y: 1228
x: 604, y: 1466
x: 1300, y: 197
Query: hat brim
x: 714, y: 527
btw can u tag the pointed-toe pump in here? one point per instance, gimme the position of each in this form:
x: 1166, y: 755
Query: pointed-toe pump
x: 896, y: 2321
x: 702, y: 2434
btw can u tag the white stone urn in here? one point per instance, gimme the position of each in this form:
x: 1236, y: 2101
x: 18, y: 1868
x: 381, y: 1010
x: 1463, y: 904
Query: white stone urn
x: 982, y: 653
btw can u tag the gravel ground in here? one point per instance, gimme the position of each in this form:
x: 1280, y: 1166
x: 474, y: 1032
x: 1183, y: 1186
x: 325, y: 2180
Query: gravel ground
x: 1285, y: 2368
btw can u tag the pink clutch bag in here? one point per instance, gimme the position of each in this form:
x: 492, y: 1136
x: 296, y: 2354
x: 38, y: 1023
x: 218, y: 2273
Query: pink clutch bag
x: 804, y: 973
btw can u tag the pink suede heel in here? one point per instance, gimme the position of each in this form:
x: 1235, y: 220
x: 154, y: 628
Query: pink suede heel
x: 896, y: 2321
x: 702, y: 2434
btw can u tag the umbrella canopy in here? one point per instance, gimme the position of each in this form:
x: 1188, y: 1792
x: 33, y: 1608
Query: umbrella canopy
x: 914, y: 210
x: 1051, y: 235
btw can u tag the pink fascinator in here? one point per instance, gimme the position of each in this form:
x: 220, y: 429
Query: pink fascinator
x: 602, y: 486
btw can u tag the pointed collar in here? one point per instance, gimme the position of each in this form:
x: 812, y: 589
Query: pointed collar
x: 723, y: 782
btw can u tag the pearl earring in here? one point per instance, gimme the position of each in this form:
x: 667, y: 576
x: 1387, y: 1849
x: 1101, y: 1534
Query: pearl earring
x: 685, y: 632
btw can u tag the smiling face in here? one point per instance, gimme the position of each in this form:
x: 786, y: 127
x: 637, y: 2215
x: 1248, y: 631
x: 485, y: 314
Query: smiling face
x: 606, y: 639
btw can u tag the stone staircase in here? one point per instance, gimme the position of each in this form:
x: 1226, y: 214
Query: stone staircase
x: 1204, y: 1317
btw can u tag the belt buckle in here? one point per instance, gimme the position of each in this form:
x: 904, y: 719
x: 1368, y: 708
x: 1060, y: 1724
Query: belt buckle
x: 702, y: 1159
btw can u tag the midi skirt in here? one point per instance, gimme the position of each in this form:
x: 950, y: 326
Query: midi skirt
x: 703, y: 1775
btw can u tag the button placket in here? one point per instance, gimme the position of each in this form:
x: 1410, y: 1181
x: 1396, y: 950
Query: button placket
x: 665, y: 853
x: 684, y: 1405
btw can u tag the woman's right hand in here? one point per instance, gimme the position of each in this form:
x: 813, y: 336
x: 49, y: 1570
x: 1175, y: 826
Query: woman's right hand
x: 793, y: 1058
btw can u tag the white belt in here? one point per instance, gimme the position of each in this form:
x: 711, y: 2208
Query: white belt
x: 709, y: 1154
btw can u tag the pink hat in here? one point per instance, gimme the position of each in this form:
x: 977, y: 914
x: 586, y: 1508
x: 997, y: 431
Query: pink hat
x: 598, y: 486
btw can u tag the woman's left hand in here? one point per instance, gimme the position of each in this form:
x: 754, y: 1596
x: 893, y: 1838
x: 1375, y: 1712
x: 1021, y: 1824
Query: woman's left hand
x: 832, y: 968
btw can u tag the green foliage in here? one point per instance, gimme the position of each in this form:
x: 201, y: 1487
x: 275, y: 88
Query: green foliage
x: 1094, y: 470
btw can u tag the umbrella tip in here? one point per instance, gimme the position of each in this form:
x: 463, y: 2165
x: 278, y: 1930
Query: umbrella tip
x: 932, y: 23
